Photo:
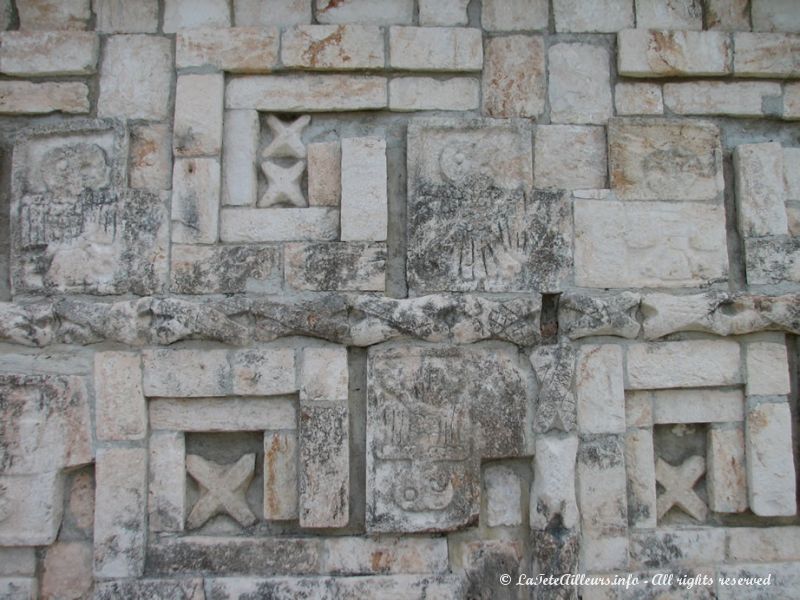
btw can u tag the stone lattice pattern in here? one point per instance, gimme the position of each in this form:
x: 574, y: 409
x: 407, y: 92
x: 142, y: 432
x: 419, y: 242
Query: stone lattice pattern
x: 387, y: 298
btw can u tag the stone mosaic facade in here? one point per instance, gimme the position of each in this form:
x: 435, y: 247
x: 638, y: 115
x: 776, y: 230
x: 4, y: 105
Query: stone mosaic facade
x: 350, y: 299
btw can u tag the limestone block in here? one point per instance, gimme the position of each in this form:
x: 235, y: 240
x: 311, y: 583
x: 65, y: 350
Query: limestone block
x: 791, y: 173
x: 22, y: 588
x: 784, y: 581
x: 280, y: 475
x: 136, y: 77
x: 350, y: 266
x: 570, y: 157
x: 503, y: 489
x: 167, y: 484
x: 772, y: 260
x: 639, y: 409
x: 738, y: 99
x: 553, y: 488
x: 6, y: 16
x: 186, y: 373
x: 602, y: 484
x: 641, y: 473
x: 341, y: 47
x: 120, y: 516
x: 767, y: 369
x: 678, y: 14
x: 514, y: 76
x: 604, y: 552
x: 304, y: 93
x: 770, y: 460
x: 760, y: 195
x: 775, y: 15
x: 324, y: 375
x: 365, y: 212
x: 728, y: 15
x: 121, y: 16
x: 120, y: 410
x: 638, y: 99
x: 263, y: 372
x: 599, y: 389
x: 239, y: 175
x: 150, y: 166
x: 194, y: 14
x: 699, y: 363
x: 197, y: 130
x: 195, y: 200
x: 591, y: 16
x: 385, y: 555
x: 80, y: 502
x: 554, y: 366
x: 324, y: 174
x: 223, y: 489
x: 648, y: 244
x: 230, y: 414
x: 580, y: 88
x: 235, y: 49
x: 35, y: 54
x: 677, y: 547
x: 347, y: 588
x: 32, y: 509
x: 764, y: 544
x: 427, y: 93
x: 26, y: 98
x: 514, y: 15
x: 188, y: 588
x: 54, y: 14
x: 17, y: 561
x: 375, y: 12
x: 674, y: 159
x: 660, y: 53
x: 435, y: 48
x: 726, y: 478
x: 278, y: 224
x: 251, y: 13
x: 443, y: 12
x: 227, y: 269
x: 766, y: 55
x: 697, y: 406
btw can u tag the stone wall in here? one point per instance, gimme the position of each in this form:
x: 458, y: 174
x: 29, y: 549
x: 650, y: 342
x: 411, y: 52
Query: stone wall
x: 391, y: 298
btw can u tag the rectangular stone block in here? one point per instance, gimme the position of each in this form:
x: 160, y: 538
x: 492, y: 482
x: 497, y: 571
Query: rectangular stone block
x: 641, y: 473
x: 602, y: 484
x: 638, y: 99
x: 195, y: 14
x: 427, y: 93
x: 36, y: 54
x: 280, y: 13
x: 17, y: 561
x: 639, y: 409
x: 766, y: 55
x: 443, y: 12
x: 771, y: 483
x: 342, y: 266
x: 324, y: 375
x: 229, y: 414
x: 195, y: 200
x: 791, y: 173
x: 604, y: 552
x: 514, y: 76
x: 697, y: 406
x: 599, y: 389
x: 649, y: 159
x: 365, y: 212
x: 374, y: 12
x: 72, y: 15
x: 764, y: 544
x: 659, y: 53
x: 649, y: 244
x: 579, y: 87
x: 760, y: 192
x: 19, y: 588
x: 677, y: 547
x: 197, y: 130
x: 514, y: 15
x: 186, y: 373
x: 188, y: 588
x: 25, y: 98
x: 385, y: 555
x: 748, y: 581
x: 123, y: 16
x: 120, y: 517
x: 728, y: 15
x: 677, y: 14
x: 593, y: 16
x: 226, y: 269
x: 150, y: 165
x: 553, y: 488
x: 570, y: 157
x: 167, y: 485
x: 280, y: 476
x: 239, y: 162
x: 435, y: 48
x: 235, y: 50
x: 307, y: 93
x: 737, y: 99
x: 324, y: 173
x: 33, y: 505
x: 120, y: 409
x: 503, y: 493
x: 699, y: 363
x: 767, y: 367
x: 772, y: 260
x: 340, y: 47
x: 263, y: 372
x: 726, y: 478
x: 278, y: 224
x: 775, y: 15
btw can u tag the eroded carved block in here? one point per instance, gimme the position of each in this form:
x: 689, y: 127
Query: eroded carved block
x: 223, y: 489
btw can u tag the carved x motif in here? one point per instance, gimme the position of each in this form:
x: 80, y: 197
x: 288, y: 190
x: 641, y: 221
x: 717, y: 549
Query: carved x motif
x: 223, y: 489
x: 283, y: 184
x: 286, y: 138
x: 678, y: 485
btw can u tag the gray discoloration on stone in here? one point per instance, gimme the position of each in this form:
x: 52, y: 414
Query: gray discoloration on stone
x: 225, y: 269
x: 346, y: 266
x: 581, y: 316
x: 145, y: 589
x: 772, y: 260
x: 555, y: 371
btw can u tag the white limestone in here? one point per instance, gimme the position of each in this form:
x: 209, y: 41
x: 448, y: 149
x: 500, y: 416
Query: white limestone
x: 197, y: 130
x: 324, y: 174
x: 280, y: 475
x: 151, y: 157
x: 443, y: 12
x: 364, y: 215
x: 503, y: 496
x: 641, y: 473
x: 25, y: 98
x: 514, y: 76
x: 263, y: 372
x: 278, y: 224
x: 195, y: 200
x: 760, y: 196
x: 593, y: 16
x: 324, y: 375
x: 569, y: 157
x: 373, y: 12
x: 514, y: 15
x: 192, y: 14
x: 766, y: 55
x: 307, y: 93
x: 676, y: 14
x: 216, y: 415
x: 435, y: 48
x: 579, y: 87
x: 638, y: 99
x: 553, y: 488
x: 427, y: 93
x: 737, y: 98
x: 697, y: 406
x: 726, y: 477
x: 700, y: 363
x: 340, y: 47
x: 659, y: 53
x: 185, y: 373
x: 123, y: 16
x: 120, y: 410
x: 166, y: 503
x: 36, y: 54
x: 767, y: 368
x: 599, y: 389
x: 240, y: 142
x: 235, y: 49
x: 252, y: 13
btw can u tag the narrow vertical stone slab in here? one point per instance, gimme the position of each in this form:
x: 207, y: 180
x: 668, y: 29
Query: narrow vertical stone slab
x: 167, y: 490
x: 726, y: 477
x: 767, y: 369
x: 195, y: 200
x: 324, y: 173
x: 554, y: 367
x: 770, y: 460
x: 150, y: 166
x: 602, y: 484
x: 280, y: 475
x: 760, y: 192
x: 553, y: 489
x: 198, y: 115
x: 120, y: 512
x: 503, y: 496
x: 324, y: 374
x: 514, y: 76
x: 364, y: 215
x: 600, y: 389
x: 641, y: 470
x: 240, y: 174
x: 120, y: 408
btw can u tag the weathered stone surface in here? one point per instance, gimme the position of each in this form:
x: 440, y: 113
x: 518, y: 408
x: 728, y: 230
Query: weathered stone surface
x: 503, y: 496
x: 697, y: 406
x: 570, y: 157
x: 150, y: 165
x: 602, y: 484
x: 29, y: 325
x: 747, y: 582
x: 336, y: 266
x: 727, y: 15
x: 677, y: 482
x: 580, y: 88
x: 552, y: 499
x: 283, y: 185
x: 775, y: 15
x: 427, y: 93
x: 225, y: 269
x: 770, y: 460
x: 341, y: 47
x: 222, y: 489
x: 604, y: 552
x: 766, y: 55
x: 385, y: 555
x: 34, y: 54
x: 144, y: 589
x: 638, y: 99
x: 556, y: 551
x: 593, y: 16
x: 767, y: 368
x: 581, y: 316
x: 738, y: 99
x: 193, y: 14
x: 514, y: 15
x: 17, y: 561
x: 423, y: 404
x: 791, y: 174
x: 653, y: 159
x: 280, y: 475
x: 435, y: 48
x: 599, y: 389
x: 554, y: 366
x: 32, y: 509
x: 185, y: 373
x: 25, y: 98
x: 764, y: 544
x: 80, y: 502
x: 197, y: 130
x: 324, y: 174
x: 249, y: 13
x: 514, y: 76
x: 700, y: 363
x: 304, y: 93
x: 236, y: 50
x: 377, y: 12
x: 135, y: 77
x: 263, y: 372
x: 659, y: 53
x: 195, y: 200
x: 323, y: 374
x: 677, y: 14
x: 54, y: 14
x: 120, y: 410
x: 640, y: 469
x: 772, y: 260
x: 119, y: 16
x: 229, y: 414
x: 443, y: 12
x: 166, y: 503
x: 278, y: 224
x: 67, y: 570
x: 760, y: 194
x: 364, y: 212
x: 726, y: 478
x: 649, y: 244
x: 677, y: 547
